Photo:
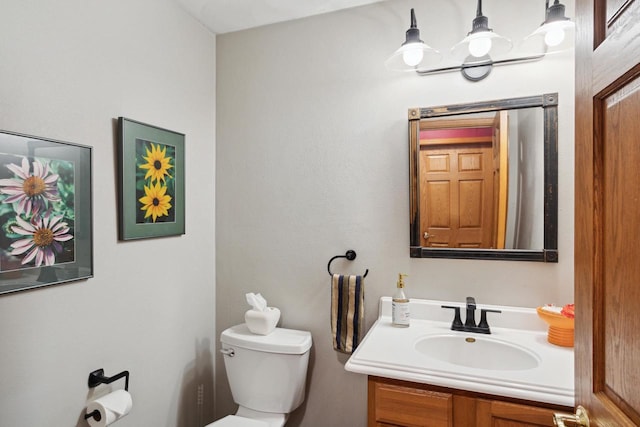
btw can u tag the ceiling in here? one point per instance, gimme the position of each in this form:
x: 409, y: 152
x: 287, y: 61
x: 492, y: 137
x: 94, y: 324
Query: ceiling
x: 225, y: 16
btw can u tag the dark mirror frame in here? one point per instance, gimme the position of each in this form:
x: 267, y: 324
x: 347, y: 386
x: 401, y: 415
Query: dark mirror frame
x: 549, y: 104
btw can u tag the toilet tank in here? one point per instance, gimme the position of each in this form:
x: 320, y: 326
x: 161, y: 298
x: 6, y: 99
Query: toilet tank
x: 266, y: 372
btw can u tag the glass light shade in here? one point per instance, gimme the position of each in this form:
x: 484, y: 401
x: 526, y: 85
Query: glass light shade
x: 413, y: 56
x: 482, y: 43
x: 553, y: 37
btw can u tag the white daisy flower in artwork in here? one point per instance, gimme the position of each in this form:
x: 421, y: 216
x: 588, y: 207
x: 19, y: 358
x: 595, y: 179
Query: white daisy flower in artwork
x: 31, y: 192
x: 43, y: 237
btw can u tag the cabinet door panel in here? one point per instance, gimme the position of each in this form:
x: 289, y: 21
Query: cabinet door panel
x: 513, y: 415
x: 408, y: 406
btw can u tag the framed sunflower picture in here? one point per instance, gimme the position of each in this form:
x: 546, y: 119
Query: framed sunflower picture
x: 45, y: 212
x: 151, y: 173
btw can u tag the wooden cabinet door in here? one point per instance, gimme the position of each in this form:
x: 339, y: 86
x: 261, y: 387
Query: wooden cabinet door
x: 607, y: 219
x: 393, y: 404
x: 493, y: 413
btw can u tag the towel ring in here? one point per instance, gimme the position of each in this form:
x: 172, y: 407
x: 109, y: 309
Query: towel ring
x: 350, y: 255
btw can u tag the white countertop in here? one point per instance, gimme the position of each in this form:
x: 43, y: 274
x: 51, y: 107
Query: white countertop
x: 390, y: 352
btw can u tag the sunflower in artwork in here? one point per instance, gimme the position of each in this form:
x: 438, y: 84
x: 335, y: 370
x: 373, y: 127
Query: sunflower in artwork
x: 158, y: 164
x: 156, y: 201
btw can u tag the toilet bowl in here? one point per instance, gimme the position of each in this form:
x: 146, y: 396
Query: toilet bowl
x: 266, y: 373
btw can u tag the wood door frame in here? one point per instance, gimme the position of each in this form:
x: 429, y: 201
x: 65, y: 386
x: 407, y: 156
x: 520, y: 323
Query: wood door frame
x: 500, y: 193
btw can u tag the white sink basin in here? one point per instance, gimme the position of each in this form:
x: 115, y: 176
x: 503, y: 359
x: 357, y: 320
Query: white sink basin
x: 515, y: 360
x: 480, y: 352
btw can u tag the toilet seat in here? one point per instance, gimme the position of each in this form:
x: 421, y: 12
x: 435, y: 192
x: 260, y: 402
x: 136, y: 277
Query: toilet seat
x: 234, y: 421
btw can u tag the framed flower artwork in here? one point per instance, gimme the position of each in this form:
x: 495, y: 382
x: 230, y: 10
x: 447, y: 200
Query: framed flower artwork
x: 46, y: 234
x: 151, y: 173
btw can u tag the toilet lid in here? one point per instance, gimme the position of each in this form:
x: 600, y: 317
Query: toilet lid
x: 233, y: 421
x: 281, y: 340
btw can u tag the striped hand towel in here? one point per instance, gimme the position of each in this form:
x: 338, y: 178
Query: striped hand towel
x: 347, y: 311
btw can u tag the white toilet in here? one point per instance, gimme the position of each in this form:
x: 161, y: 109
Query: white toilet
x: 267, y: 374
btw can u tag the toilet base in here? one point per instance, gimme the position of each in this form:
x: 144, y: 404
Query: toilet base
x: 246, y: 417
x: 233, y: 421
x: 272, y: 419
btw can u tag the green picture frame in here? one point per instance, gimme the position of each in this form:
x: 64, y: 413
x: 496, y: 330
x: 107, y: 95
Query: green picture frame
x: 46, y: 231
x: 151, y: 174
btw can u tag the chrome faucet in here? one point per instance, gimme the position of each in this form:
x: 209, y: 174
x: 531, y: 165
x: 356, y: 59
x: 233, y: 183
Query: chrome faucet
x: 470, y: 321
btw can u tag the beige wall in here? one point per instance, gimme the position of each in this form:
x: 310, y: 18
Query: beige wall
x: 312, y: 161
x: 68, y: 69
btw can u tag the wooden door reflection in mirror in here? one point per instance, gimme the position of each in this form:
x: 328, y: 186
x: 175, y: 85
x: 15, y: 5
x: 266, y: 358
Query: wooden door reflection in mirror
x: 483, y: 180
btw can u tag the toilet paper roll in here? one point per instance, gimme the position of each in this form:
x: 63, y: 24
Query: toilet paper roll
x: 111, y: 408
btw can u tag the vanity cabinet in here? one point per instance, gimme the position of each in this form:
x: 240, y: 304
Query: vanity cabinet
x: 406, y: 404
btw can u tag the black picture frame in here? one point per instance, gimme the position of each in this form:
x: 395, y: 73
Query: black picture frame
x: 46, y: 211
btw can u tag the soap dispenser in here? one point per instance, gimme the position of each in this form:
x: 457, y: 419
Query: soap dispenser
x: 400, y: 315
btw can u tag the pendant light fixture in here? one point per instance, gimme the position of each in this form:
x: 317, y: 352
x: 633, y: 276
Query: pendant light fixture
x: 555, y: 33
x: 482, y: 48
x: 481, y: 41
x: 413, y: 54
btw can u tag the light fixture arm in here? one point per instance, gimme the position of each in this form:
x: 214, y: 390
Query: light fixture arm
x: 489, y: 64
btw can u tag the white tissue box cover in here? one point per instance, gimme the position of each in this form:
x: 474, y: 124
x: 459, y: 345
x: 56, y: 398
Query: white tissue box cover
x: 262, y: 322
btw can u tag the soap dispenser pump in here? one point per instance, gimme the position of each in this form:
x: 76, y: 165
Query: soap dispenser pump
x: 400, y: 315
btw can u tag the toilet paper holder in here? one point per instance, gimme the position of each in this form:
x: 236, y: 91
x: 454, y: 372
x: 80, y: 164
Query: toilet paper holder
x: 96, y: 378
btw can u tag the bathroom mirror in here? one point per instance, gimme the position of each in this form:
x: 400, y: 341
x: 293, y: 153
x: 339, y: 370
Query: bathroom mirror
x: 483, y: 180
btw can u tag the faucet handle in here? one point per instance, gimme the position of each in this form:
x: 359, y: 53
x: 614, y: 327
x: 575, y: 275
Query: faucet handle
x: 457, y: 321
x: 483, y: 318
